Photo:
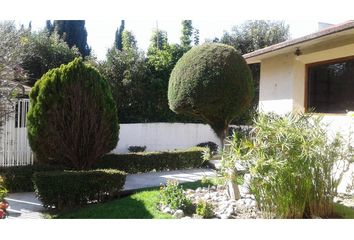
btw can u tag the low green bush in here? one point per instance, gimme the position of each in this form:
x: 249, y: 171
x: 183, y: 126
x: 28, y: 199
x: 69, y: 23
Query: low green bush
x: 66, y: 189
x: 204, y: 209
x: 172, y: 195
x: 19, y: 178
x: 149, y: 161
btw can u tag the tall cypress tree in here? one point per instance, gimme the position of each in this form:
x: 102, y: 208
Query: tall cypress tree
x: 49, y: 26
x: 74, y: 34
x: 187, y: 32
x: 119, y: 36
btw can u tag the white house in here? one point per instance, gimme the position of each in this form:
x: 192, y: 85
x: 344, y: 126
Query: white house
x: 312, y: 72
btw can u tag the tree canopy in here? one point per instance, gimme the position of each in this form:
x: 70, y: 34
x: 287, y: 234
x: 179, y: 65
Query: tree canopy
x: 74, y: 34
x: 212, y: 82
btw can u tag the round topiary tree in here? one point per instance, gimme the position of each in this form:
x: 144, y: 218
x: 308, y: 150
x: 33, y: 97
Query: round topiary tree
x: 211, y: 81
x: 72, y: 118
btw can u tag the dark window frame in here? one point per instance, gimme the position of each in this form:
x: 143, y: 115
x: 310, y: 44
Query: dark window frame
x: 307, y: 71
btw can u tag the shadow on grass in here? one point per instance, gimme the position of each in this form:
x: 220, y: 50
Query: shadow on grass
x: 140, y: 205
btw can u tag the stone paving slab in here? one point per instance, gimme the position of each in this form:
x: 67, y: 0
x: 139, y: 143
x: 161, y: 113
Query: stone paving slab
x: 154, y: 179
x: 24, y: 205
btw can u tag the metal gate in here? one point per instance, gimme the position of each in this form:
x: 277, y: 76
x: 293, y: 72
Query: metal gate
x: 14, y: 146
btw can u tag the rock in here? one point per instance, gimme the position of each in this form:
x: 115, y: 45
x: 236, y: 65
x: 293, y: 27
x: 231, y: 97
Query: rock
x: 178, y: 214
x: 196, y: 216
x: 198, y: 190
x: 224, y: 216
x: 186, y: 217
x: 167, y: 210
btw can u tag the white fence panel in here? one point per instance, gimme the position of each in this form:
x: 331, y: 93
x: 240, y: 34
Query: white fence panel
x: 163, y: 136
x: 14, y: 146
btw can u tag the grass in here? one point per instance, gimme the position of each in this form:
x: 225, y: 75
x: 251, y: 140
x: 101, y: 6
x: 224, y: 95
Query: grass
x: 141, y: 205
x: 343, y: 211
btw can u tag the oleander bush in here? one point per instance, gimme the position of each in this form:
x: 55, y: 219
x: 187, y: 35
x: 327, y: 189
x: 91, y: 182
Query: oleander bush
x: 72, y: 119
x: 67, y: 189
x: 19, y: 178
x: 295, y: 165
x: 149, y: 161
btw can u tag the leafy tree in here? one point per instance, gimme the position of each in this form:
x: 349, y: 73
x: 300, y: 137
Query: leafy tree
x: 118, y: 41
x: 158, y: 40
x: 72, y: 118
x: 128, y: 76
x: 251, y: 36
x: 187, y: 32
x: 128, y: 41
x: 11, y: 52
x: 212, y: 82
x: 74, y: 33
x: 43, y: 52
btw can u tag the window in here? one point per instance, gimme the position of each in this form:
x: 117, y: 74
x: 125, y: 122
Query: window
x: 331, y: 86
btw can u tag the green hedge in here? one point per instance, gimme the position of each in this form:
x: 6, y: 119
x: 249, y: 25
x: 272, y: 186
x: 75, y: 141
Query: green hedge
x: 19, y: 178
x: 149, y: 161
x: 66, y: 189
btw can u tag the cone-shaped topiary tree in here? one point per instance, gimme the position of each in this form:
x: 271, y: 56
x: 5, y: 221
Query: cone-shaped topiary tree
x: 213, y: 82
x: 72, y: 118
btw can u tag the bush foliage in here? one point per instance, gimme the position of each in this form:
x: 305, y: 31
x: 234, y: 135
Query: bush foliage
x: 136, y: 149
x: 295, y: 165
x: 149, y: 161
x: 19, y: 178
x: 213, y: 82
x: 72, y: 119
x: 66, y: 189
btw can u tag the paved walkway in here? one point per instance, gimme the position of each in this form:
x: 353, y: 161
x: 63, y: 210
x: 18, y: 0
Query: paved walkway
x: 27, y: 206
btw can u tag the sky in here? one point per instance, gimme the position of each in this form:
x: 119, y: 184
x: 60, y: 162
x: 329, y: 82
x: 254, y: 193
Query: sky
x: 101, y: 32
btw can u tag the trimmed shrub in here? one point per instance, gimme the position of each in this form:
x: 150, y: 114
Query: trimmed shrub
x: 149, y: 161
x: 66, y: 189
x: 136, y: 149
x: 72, y: 120
x: 213, y: 82
x: 19, y: 178
x: 213, y: 147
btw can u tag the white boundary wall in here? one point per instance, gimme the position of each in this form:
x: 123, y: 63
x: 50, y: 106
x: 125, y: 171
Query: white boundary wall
x: 163, y: 136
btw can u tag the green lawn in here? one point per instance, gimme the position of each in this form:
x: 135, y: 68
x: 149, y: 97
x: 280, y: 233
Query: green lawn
x: 141, y: 205
x: 344, y: 211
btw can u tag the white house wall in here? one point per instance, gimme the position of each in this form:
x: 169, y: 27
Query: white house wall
x: 276, y: 84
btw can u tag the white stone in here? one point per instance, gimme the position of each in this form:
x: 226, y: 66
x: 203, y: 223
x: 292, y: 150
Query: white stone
x: 186, y: 217
x: 167, y: 210
x: 179, y: 214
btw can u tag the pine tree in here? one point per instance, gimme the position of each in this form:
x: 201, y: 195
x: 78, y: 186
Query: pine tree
x: 119, y: 36
x: 74, y: 34
x: 187, y: 32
